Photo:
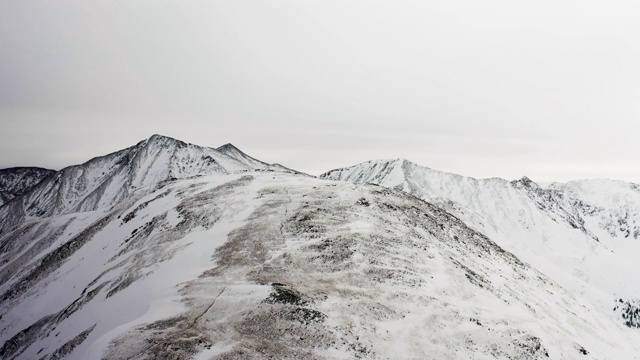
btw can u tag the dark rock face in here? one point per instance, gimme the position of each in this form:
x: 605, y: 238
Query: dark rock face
x: 17, y: 181
x: 629, y: 311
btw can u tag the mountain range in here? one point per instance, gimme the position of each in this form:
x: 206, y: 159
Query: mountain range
x: 169, y: 250
x: 583, y: 234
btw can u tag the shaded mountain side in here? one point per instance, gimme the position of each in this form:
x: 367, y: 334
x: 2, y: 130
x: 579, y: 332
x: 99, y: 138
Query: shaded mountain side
x: 17, y: 181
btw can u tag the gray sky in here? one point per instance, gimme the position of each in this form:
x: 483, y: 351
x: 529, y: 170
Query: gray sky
x: 550, y: 89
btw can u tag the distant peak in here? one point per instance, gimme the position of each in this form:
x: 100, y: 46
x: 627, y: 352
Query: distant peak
x: 389, y: 162
x: 160, y: 138
x: 400, y: 162
x: 233, y: 151
x: 228, y: 147
x: 527, y: 183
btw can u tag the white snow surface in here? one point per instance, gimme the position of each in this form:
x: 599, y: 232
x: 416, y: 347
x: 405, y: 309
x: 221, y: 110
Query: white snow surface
x: 237, y: 154
x: 277, y: 265
x: 170, y: 250
x: 585, y: 234
x: 102, y: 182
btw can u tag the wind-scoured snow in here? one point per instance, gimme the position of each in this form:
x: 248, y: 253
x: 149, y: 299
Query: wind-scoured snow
x: 276, y: 265
x: 581, y: 234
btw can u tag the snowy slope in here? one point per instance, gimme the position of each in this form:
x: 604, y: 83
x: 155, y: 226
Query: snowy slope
x: 610, y: 208
x: 250, y: 162
x: 104, y: 181
x: 17, y: 181
x: 171, y: 250
x: 278, y: 265
x: 581, y: 234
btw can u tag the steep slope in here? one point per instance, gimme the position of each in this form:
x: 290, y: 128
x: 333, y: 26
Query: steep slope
x: 17, y: 181
x: 610, y: 208
x: 277, y: 265
x: 233, y: 152
x: 250, y: 162
x: 580, y: 234
x: 104, y: 181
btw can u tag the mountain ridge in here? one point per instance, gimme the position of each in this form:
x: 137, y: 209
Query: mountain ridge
x: 16, y: 181
x: 170, y: 250
x: 285, y: 266
x: 588, y: 226
x: 104, y: 180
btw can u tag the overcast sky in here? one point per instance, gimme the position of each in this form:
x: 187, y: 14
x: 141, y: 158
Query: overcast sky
x: 548, y: 89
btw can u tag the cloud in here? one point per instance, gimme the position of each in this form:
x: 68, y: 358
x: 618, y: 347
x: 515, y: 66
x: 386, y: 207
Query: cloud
x: 503, y: 83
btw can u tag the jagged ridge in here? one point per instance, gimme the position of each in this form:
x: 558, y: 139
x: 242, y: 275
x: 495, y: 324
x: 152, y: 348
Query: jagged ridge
x: 17, y: 181
x: 104, y: 181
x: 582, y: 234
x: 203, y: 258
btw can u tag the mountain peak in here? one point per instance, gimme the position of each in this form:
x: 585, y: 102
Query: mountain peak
x: 104, y: 181
x: 375, y: 171
x: 157, y: 139
x: 527, y: 183
x: 228, y: 147
x: 232, y: 151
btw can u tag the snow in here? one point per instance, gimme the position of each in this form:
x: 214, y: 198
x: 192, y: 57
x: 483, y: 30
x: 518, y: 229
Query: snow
x: 103, y: 182
x: 510, y: 213
x: 130, y: 307
x: 198, y: 259
x: 218, y: 348
x: 399, y: 293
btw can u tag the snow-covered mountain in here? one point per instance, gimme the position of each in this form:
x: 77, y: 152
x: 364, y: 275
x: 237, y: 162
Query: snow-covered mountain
x: 583, y: 234
x: 104, y: 181
x: 250, y: 162
x: 277, y: 265
x: 166, y: 250
x: 17, y: 181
